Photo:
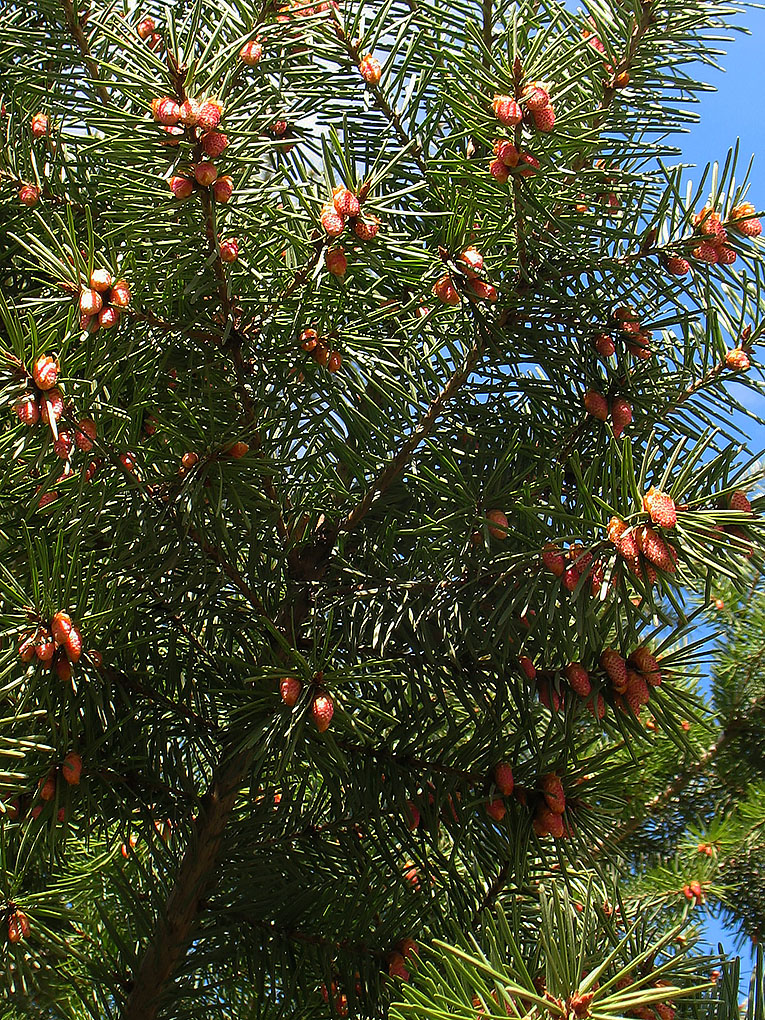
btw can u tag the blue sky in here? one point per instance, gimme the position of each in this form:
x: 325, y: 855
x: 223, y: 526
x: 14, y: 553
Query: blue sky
x: 734, y: 111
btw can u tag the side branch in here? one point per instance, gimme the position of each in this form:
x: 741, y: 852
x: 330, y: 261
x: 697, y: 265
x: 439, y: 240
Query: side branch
x: 175, y: 927
x: 422, y: 430
x: 77, y: 33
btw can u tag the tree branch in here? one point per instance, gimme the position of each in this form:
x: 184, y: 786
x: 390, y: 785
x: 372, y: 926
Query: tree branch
x: 423, y: 429
x: 195, y: 876
x: 77, y: 33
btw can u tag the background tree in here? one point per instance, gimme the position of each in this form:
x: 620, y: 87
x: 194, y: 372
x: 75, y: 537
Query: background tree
x: 369, y: 464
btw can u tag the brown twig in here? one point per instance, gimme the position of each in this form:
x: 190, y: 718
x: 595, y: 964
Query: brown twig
x: 423, y: 429
x: 77, y: 33
x: 175, y: 925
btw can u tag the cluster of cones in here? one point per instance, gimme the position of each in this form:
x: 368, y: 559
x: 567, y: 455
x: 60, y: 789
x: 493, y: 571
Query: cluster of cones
x: 470, y: 264
x: 640, y: 545
x: 630, y: 681
x: 322, y: 705
x: 620, y: 410
x: 344, y: 208
x: 548, y: 801
x: 320, y: 350
x: 572, y: 565
x: 710, y: 228
x: 57, y: 645
x: 70, y: 769
x: 103, y: 301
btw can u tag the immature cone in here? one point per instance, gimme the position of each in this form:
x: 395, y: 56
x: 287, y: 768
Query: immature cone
x: 677, y: 265
x: 331, y: 220
x: 706, y: 252
x: 739, y: 501
x: 71, y: 768
x: 737, y: 359
x: 445, y: 291
x: 506, y: 152
x: 507, y: 111
x: 223, y: 189
x: 621, y: 415
x: 527, y: 666
x: 544, y: 120
x: 654, y: 548
x: 73, y: 644
x: 596, y: 405
x: 119, y: 295
x: 726, y: 255
x: 496, y: 809
x: 661, y: 507
x: 370, y: 70
x: 367, y: 227
x: 646, y: 663
x: 747, y: 221
x: 553, y: 559
x: 336, y: 261
x: 100, y: 280
x: 51, y: 406
x: 108, y: 317
x: 616, y: 669
x: 531, y: 164
x: 214, y: 143
x: 91, y: 302
x: 14, y: 929
x: 63, y: 446
x: 251, y: 53
x: 623, y: 537
x: 535, y: 96
x: 210, y: 114
x: 238, y: 450
x: 189, y: 112
x: 29, y: 195
x: 229, y: 250
x: 579, y: 679
x: 503, y: 778
x: 334, y: 361
x: 181, y: 188
x: 40, y: 125
x: 345, y: 202
x: 205, y: 174
x: 498, y: 524
x: 499, y: 171
x: 483, y: 290
x: 28, y: 410
x: 552, y: 789
x: 45, y: 372
x: 596, y: 706
x: 289, y: 689
x: 165, y: 111
x: 84, y: 434
x: 47, y: 787
x: 309, y: 339
x: 60, y: 627
x: 145, y: 28
x: 397, y: 967
x: 604, y: 345
x: 322, y: 711
x: 470, y: 261
x: 637, y: 694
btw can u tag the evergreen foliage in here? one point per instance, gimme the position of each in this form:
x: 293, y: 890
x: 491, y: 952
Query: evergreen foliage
x: 314, y: 532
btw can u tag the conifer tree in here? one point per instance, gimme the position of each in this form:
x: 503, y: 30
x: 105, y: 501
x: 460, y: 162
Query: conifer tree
x: 371, y: 471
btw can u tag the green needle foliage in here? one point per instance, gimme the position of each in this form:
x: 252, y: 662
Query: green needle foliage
x: 322, y: 496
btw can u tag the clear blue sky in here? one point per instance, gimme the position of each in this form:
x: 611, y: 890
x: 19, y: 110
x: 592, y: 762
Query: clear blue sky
x: 735, y: 111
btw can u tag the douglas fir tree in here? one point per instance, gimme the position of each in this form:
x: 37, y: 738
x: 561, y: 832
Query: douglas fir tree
x: 369, y: 466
